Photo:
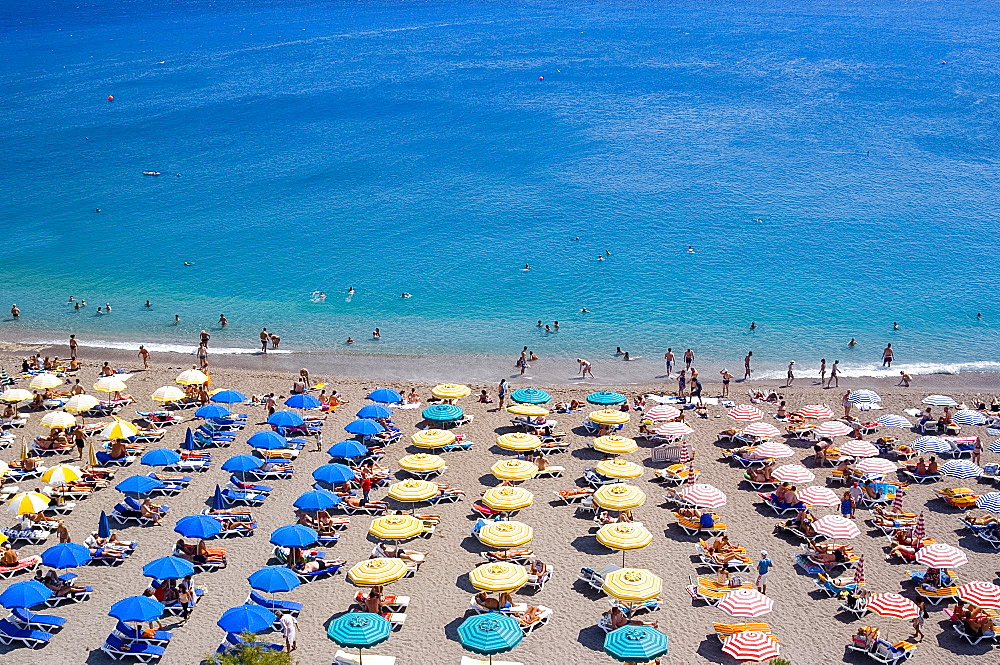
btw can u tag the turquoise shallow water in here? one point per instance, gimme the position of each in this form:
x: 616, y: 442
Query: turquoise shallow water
x: 411, y: 146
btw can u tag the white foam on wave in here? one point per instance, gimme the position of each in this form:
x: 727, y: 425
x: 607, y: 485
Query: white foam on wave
x: 913, y: 369
x: 155, y: 347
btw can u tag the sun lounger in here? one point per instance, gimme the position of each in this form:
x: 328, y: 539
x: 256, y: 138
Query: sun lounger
x: 595, y: 578
x: 105, y: 459
x: 537, y: 582
x: 29, y: 536
x: 935, y: 596
x: 531, y: 621
x: 724, y: 630
x: 346, y: 658
x: 70, y: 598
x: 32, y: 621
x: 11, y: 633
x: 710, y: 591
x: 130, y: 634
x: 190, y: 465
x: 918, y: 478
x: 778, y: 507
x: 25, y: 565
x: 576, y: 495
x: 143, y: 652
x: 758, y: 485
x: 332, y: 568
x: 636, y: 609
x: 595, y: 479
x: 958, y: 497
x: 522, y: 556
x: 113, y: 554
x: 855, y: 604
x: 446, y: 497
x: 740, y: 563
x: 834, y: 586
x: 235, y: 642
x: 238, y: 498
x: 691, y: 527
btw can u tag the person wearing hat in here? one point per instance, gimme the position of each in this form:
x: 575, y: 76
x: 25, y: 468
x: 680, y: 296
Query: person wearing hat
x: 763, y: 566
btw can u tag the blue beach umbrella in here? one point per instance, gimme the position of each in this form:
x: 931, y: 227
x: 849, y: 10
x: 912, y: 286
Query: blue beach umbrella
x: 864, y: 396
x: 364, y: 427
x: 218, y: 501
x: 25, y: 594
x: 931, y: 444
x: 302, y: 401
x: 246, y: 619
x: 242, y: 464
x: 103, y: 526
x: 66, y: 555
x: 274, y: 579
x: 212, y: 411
x: 989, y: 501
x: 385, y: 396
x: 268, y: 441
x: 348, y: 449
x: 606, y: 398
x: 358, y: 630
x: 530, y: 396
x: 969, y: 417
x: 939, y: 400
x: 188, y: 440
x: 228, y: 397
x: 198, y: 526
x: 374, y: 411
x: 138, y: 485
x: 160, y: 457
x: 637, y: 644
x: 317, y: 500
x: 961, y: 468
x: 892, y: 420
x: 334, y: 474
x: 995, y: 446
x: 442, y: 412
x: 285, y: 419
x: 294, y: 535
x: 168, y: 568
x: 137, y: 608
x: 490, y: 633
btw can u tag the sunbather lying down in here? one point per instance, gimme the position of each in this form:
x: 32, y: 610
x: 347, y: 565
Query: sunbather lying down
x: 618, y: 619
x: 510, y: 555
x: 355, y: 502
x: 981, y: 520
x: 396, y: 552
x: 58, y: 587
x: 501, y: 602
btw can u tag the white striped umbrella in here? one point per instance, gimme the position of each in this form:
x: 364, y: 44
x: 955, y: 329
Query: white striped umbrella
x: 662, y: 412
x: 961, y: 468
x: 995, y: 446
x: 941, y: 555
x: 980, y: 594
x: 685, y: 455
x: 931, y: 444
x: 877, y: 465
x: 703, y: 495
x: 897, y: 503
x: 819, y: 496
x: 45, y: 381
x: 893, y: 605
x: 859, y: 449
x: 989, y: 501
x: 864, y: 396
x: 673, y: 429
x: 836, y: 527
x: 859, y: 571
x: 833, y: 428
x: 939, y: 400
x: 969, y: 417
x: 793, y: 473
x: 919, y: 531
x: 892, y: 420
x: 762, y: 430
x: 816, y: 411
x: 751, y: 645
x: 746, y: 603
x: 745, y: 412
x: 773, y: 449
x: 691, y: 474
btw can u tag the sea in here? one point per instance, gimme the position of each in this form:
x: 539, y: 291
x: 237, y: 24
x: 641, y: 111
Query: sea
x: 826, y: 170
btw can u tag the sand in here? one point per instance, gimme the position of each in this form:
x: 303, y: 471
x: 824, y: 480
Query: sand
x: 805, y: 622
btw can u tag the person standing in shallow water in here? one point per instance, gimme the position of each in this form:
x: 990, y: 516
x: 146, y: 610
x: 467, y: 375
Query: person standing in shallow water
x: 887, y: 355
x: 746, y: 364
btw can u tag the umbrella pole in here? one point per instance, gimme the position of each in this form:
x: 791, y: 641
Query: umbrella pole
x: 623, y: 558
x: 359, y: 656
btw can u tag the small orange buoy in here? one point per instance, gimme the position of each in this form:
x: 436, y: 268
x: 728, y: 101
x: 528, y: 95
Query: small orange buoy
x: 111, y: 98
x: 541, y: 78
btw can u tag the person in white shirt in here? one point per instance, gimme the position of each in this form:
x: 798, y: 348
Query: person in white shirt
x: 290, y: 629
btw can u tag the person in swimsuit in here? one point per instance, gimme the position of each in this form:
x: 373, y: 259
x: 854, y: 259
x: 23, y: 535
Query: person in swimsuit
x: 887, y: 355
x: 746, y: 365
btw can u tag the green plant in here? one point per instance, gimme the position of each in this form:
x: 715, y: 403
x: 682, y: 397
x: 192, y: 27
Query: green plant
x: 779, y: 661
x: 251, y: 654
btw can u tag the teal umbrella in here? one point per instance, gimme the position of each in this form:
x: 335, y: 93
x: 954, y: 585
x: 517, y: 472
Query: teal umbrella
x: 442, y: 412
x: 606, y: 398
x: 635, y: 644
x: 359, y: 630
x: 490, y: 633
x: 530, y: 396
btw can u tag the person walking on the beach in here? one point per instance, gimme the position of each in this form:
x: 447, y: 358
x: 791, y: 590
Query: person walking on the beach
x: 887, y: 355
x: 72, y: 347
x: 763, y: 566
x: 977, y: 451
x: 522, y: 363
x: 203, y: 356
x: 204, y: 338
x: 366, y: 485
x: 144, y: 354
x: 681, y: 382
x: 502, y: 392
x: 847, y: 404
x: 688, y: 358
x: 696, y: 390
x: 791, y: 375
x: 822, y: 371
x: 668, y: 360
x: 289, y: 628
x: 264, y: 339
x: 746, y: 365
x: 585, y: 368
x: 726, y: 378
x: 834, y: 375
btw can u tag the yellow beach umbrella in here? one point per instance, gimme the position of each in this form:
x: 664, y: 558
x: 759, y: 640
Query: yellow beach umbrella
x: 519, y: 441
x: 450, y: 391
x: 4, y: 468
x: 80, y: 403
x: 59, y: 419
x: 412, y: 490
x: 634, y: 585
x: 376, y: 572
x: 109, y: 384
x: 532, y: 410
x: 514, y: 469
x: 507, y: 498
x: 432, y: 438
x: 119, y: 429
x: 619, y: 496
x: 91, y: 455
x: 608, y: 417
x: 396, y: 527
x: 191, y: 377
x: 615, y: 444
x: 167, y: 394
x: 15, y: 395
x: 24, y: 503
x: 624, y: 536
x: 618, y: 468
x: 505, y: 534
x: 498, y: 576
x: 25, y: 453
x: 45, y: 381
x: 61, y: 474
x: 421, y: 462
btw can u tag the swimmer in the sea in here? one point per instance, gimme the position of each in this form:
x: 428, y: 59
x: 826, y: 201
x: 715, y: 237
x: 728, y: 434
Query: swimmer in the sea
x: 690, y: 249
x: 350, y: 340
x: 406, y: 295
x: 979, y: 315
x: 853, y: 342
x: 99, y: 310
x: 350, y: 291
x: 148, y: 304
x: 177, y: 319
x: 189, y: 263
x: 76, y: 305
x: 608, y: 252
x: 322, y: 296
x: 753, y: 325
x: 527, y: 267
x: 895, y: 326
x: 71, y: 300
x: 600, y: 257
x: 583, y: 310
x: 223, y: 321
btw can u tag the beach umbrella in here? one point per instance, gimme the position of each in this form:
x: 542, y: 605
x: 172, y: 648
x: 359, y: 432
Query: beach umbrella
x: 348, y: 449
x: 819, y: 496
x: 703, y: 495
x: 385, y: 396
x: 893, y: 605
x: 635, y: 644
x: 285, y: 419
x: 746, y: 603
x: 793, y: 473
x: 745, y: 413
x: 618, y: 467
x: 4, y: 468
x: 931, y: 444
x: 981, y: 594
x: 816, y: 412
x: 360, y: 630
x: 836, y: 527
x: 859, y: 449
x: 413, y: 490
x: 632, y: 585
x: 377, y: 572
x: 771, y: 449
x: 489, y: 634
x: 878, y: 466
x: 317, y: 500
x: 167, y: 394
x: 685, y: 454
x: 432, y: 438
x: 897, y: 503
x: 218, y: 502
x: 80, y: 403
x: 246, y: 619
x: 274, y: 579
x: 27, y: 503
x: 66, y: 555
x: 619, y: 496
x: 673, y: 429
x: 608, y: 417
x: 498, y: 576
x: 109, y: 384
x: 606, y: 398
x: 267, y: 441
x: 442, y: 413
x: 396, y: 527
x: 188, y: 443
x: 505, y: 534
x: 939, y: 400
x: 690, y: 476
x: 212, y: 411
x: 103, y: 526
x: 242, y: 464
x: 507, y: 498
x: 941, y: 555
x: 61, y: 474
x: 969, y: 417
x: 995, y: 446
x: 662, y: 412
x: 615, y: 444
x: 137, y: 609
x: 374, y: 412
x: 918, y: 530
x: 191, y: 377
x: 519, y: 441
x: 138, y: 485
x: 302, y: 401
x: 15, y: 395
x: 45, y: 381
x: 421, y: 463
x: 893, y: 420
x: 531, y: 410
x: 833, y: 429
x: 198, y: 526
x: 25, y: 594
x: 530, y: 396
x: 624, y: 536
x: 119, y: 430
x: 58, y: 419
x: 365, y: 427
x: 450, y: 391
x: 514, y: 469
x: 228, y: 397
x: 989, y: 501
x: 751, y: 645
x: 863, y: 396
x: 333, y: 474
x: 168, y: 568
x: 160, y: 457
x: 760, y: 430
x: 859, y: 571
x: 294, y: 535
x: 961, y: 468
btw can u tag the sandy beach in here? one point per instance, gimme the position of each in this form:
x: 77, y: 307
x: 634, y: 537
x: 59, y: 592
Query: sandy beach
x: 806, y: 623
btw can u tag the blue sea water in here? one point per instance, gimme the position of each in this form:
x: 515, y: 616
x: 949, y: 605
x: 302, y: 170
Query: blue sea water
x: 437, y: 147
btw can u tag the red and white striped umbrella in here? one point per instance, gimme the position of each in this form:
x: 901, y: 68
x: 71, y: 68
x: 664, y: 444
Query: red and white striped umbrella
x: 704, y: 495
x: 691, y: 474
x: 919, y: 532
x: 685, y: 454
x: 981, y: 594
x: 773, y: 449
x: 819, y: 496
x: 834, y: 428
x: 751, y: 645
x: 745, y: 412
x: 859, y: 571
x: 673, y: 429
x: 893, y: 605
x: 836, y: 527
x: 816, y: 411
x: 941, y: 555
x: 793, y: 473
x: 879, y: 465
x: 662, y: 412
x: 762, y: 430
x: 746, y: 603
x: 859, y: 449
x: 897, y: 506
